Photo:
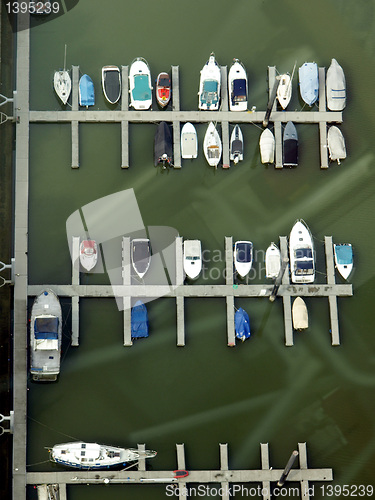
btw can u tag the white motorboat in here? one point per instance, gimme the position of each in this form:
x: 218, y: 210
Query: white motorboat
x: 267, y: 146
x: 212, y: 146
x: 243, y: 257
x: 273, y: 261
x: 141, y: 255
x: 111, y: 83
x: 335, y: 87
x: 343, y: 258
x: 88, y: 254
x: 284, y: 90
x: 192, y: 258
x: 236, y: 145
x: 189, y: 141
x: 140, y: 87
x: 336, y: 144
x: 300, y: 315
x: 237, y: 87
x: 62, y: 82
x: 95, y: 456
x: 45, y: 337
x: 301, y: 254
x: 210, y: 85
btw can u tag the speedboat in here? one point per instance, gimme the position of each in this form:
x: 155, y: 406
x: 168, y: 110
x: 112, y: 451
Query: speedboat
x: 111, y: 83
x: 242, y: 324
x: 284, y: 90
x: 45, y: 337
x: 189, y: 141
x: 95, y: 456
x: 267, y: 146
x: 139, y: 320
x: 243, y: 257
x: 343, y: 259
x: 212, y: 146
x: 163, y: 145
x: 141, y: 255
x: 290, y: 145
x: 209, y: 85
x: 86, y: 91
x: 273, y: 261
x: 301, y: 254
x: 163, y: 89
x: 236, y: 145
x: 192, y: 258
x: 62, y: 82
x: 237, y: 87
x: 335, y: 87
x: 309, y: 82
x: 140, y: 84
x: 336, y: 144
x: 300, y: 315
x: 88, y: 254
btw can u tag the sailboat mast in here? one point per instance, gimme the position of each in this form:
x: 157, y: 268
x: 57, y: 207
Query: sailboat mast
x: 65, y: 58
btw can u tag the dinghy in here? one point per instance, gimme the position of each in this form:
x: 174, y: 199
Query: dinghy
x: 189, y: 141
x: 209, y: 85
x: 237, y: 87
x: 163, y: 145
x: 111, y: 83
x: 267, y: 146
x: 309, y: 82
x: 86, y: 91
x: 192, y: 258
x: 300, y: 315
x: 335, y: 87
x: 273, y: 261
x: 290, y: 145
x: 212, y: 146
x: 243, y: 257
x: 163, y: 89
x: 88, y: 254
x: 140, y: 87
x: 62, y: 82
x: 141, y: 255
x: 284, y: 90
x: 301, y: 254
x: 139, y: 320
x: 336, y: 144
x: 236, y: 145
x: 242, y: 324
x: 343, y: 258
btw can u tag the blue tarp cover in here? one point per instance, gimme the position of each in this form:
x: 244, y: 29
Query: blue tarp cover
x: 344, y: 254
x: 141, y: 91
x: 86, y: 87
x: 139, y: 320
x: 46, y: 328
x: 242, y: 324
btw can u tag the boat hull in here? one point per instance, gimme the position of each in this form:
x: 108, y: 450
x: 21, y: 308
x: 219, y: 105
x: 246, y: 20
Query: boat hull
x: 237, y: 87
x: 212, y: 146
x: 335, y: 87
x: 336, y: 144
x: 267, y: 146
x: 343, y: 254
x: 111, y: 83
x: 62, y: 84
x: 163, y: 89
x: 309, y: 82
x: 242, y: 324
x: 301, y: 254
x: 140, y: 88
x: 236, y: 145
x: 163, y: 145
x: 88, y: 254
x: 210, y: 86
x: 284, y: 90
x: 243, y: 257
x: 290, y: 146
x: 273, y: 261
x: 141, y: 255
x: 139, y: 320
x: 192, y: 252
x: 300, y: 315
x: 189, y: 141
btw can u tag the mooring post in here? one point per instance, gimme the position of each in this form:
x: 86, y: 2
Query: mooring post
x: 277, y: 284
x: 271, y: 100
x: 289, y: 465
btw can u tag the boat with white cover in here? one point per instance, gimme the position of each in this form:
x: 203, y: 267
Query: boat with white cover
x: 284, y: 90
x: 335, y: 87
x: 189, y: 141
x: 273, y: 261
x: 140, y: 255
x: 336, y: 144
x: 82, y: 455
x: 236, y: 145
x: 267, y: 146
x: 62, y: 82
x: 140, y: 87
x: 309, y: 82
x: 210, y: 85
x: 88, y: 254
x: 212, y: 146
x: 192, y: 257
x: 111, y: 83
x: 243, y: 257
x: 45, y: 337
x: 343, y: 253
x: 237, y: 86
x: 301, y: 254
x: 300, y: 315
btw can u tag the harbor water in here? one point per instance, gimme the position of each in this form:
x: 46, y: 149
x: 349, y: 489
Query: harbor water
x: 206, y: 393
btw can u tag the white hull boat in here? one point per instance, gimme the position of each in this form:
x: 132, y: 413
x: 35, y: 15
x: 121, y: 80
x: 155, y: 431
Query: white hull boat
x: 336, y: 144
x: 237, y: 87
x: 273, y: 261
x: 62, y: 83
x: 95, y: 456
x: 267, y: 146
x: 212, y: 146
x: 189, y: 141
x: 88, y: 254
x: 141, y: 255
x: 343, y: 259
x: 210, y: 85
x: 243, y: 257
x: 140, y: 87
x: 111, y: 83
x: 301, y: 254
x: 284, y: 90
x: 300, y: 315
x: 236, y: 145
x: 309, y: 82
x: 335, y: 87
x: 192, y: 258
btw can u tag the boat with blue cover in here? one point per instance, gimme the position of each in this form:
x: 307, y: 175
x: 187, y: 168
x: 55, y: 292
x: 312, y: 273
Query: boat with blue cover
x: 209, y: 85
x: 242, y: 324
x: 140, y: 87
x: 139, y: 320
x: 343, y: 258
x: 309, y: 82
x: 243, y: 257
x: 237, y: 87
x: 86, y: 91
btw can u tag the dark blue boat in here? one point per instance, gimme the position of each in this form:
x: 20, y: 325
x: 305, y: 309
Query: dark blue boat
x: 242, y: 324
x: 139, y: 320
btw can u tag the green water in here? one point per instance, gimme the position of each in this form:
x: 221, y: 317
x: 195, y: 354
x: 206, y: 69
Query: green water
x: 205, y: 393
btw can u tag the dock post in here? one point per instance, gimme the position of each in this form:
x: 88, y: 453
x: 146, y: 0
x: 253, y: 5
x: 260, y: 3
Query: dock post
x: 273, y: 83
x: 126, y: 280
x: 323, y: 125
x: 332, y: 299
x: 180, y: 304
x: 124, y: 123
x: 75, y: 298
x: 176, y: 123
x: 287, y: 305
x: 288, y: 466
x: 265, y: 460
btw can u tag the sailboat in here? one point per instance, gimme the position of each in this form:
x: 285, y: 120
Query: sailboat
x: 62, y: 82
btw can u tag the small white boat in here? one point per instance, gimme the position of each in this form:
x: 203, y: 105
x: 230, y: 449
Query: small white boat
x: 95, y: 456
x: 212, y: 146
x: 141, y: 255
x: 343, y: 259
x: 335, y: 87
x: 140, y: 88
x: 273, y: 261
x: 243, y: 257
x: 236, y: 145
x: 192, y: 258
x: 284, y: 90
x: 62, y: 82
x: 336, y: 144
x: 301, y: 254
x: 88, y: 254
x: 210, y: 85
x: 237, y: 87
x: 111, y: 83
x: 300, y: 315
x: 267, y: 146
x: 189, y: 141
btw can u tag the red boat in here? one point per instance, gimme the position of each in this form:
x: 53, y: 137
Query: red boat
x: 163, y: 89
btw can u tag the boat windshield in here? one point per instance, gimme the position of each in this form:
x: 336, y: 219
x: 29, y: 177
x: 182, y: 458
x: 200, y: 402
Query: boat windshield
x: 303, y: 253
x: 305, y: 267
x: 46, y: 328
x: 192, y: 257
x: 164, y: 82
x: 243, y: 253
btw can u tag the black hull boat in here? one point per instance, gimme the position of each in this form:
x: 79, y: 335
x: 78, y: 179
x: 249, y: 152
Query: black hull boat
x: 163, y: 146
x: 290, y: 146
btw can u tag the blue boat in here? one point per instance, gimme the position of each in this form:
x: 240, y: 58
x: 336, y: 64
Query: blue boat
x: 139, y: 320
x: 86, y: 91
x: 309, y: 82
x: 242, y: 324
x: 344, y: 258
